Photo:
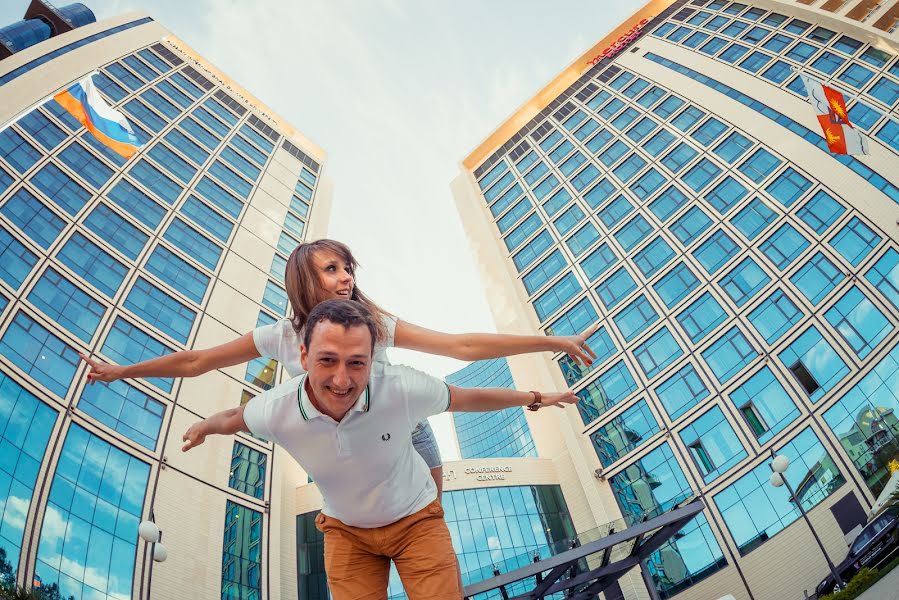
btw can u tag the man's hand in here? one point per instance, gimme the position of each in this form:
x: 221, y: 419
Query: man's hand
x: 559, y: 399
x: 194, y: 436
x: 575, y: 346
x: 101, y: 371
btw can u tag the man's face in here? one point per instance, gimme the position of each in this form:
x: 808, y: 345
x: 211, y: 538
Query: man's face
x: 338, y: 362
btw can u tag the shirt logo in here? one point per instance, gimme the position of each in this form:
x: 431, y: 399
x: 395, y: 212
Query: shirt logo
x: 385, y: 437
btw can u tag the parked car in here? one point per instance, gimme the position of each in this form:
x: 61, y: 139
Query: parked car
x: 876, y: 545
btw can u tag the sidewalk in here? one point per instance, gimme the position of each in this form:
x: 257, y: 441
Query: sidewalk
x: 885, y: 589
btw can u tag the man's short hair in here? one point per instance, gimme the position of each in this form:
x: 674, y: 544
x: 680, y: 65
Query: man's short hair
x: 347, y: 313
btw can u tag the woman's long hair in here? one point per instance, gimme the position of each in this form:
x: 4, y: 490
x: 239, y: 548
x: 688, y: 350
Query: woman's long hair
x: 304, y: 290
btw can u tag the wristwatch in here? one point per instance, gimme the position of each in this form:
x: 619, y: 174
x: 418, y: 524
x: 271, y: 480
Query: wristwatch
x: 536, y: 404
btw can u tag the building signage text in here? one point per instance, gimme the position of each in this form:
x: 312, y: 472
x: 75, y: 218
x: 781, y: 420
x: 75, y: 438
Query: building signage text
x: 489, y: 473
x: 621, y: 43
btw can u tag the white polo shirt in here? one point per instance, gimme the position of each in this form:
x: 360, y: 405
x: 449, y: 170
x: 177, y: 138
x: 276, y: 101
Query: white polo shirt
x: 280, y: 341
x: 365, y: 466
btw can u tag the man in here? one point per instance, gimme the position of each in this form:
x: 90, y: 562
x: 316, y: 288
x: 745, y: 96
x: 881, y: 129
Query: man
x: 350, y: 428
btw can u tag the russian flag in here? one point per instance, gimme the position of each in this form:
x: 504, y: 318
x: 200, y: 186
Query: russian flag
x: 106, y: 123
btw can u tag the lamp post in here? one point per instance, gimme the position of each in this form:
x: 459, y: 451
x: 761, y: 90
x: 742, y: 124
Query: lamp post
x: 150, y: 533
x: 779, y: 466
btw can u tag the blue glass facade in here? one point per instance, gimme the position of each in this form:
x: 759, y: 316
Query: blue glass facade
x: 500, y: 434
x: 742, y: 291
x: 120, y: 259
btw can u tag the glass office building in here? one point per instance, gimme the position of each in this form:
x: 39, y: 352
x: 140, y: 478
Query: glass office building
x: 673, y: 185
x: 500, y: 434
x: 182, y: 246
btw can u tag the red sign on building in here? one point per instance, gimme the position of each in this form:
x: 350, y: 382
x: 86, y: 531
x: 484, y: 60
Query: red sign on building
x: 621, y: 43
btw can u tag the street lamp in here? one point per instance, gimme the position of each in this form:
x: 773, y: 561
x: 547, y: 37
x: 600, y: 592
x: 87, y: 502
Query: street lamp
x: 150, y: 533
x: 778, y: 467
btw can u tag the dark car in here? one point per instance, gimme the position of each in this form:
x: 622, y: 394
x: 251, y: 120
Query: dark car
x: 876, y: 545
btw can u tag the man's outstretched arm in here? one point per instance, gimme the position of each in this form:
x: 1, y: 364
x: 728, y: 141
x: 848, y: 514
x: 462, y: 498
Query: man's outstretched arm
x: 488, y: 399
x: 226, y: 422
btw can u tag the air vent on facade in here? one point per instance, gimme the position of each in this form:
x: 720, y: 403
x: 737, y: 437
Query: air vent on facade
x: 167, y: 54
x: 682, y: 15
x: 539, y: 133
x: 267, y: 131
x: 301, y: 156
x: 564, y: 112
x: 587, y: 91
x: 230, y: 102
x: 805, y: 378
x: 519, y: 151
x: 199, y: 79
x: 607, y: 75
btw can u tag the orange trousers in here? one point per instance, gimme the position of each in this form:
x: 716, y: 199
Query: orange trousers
x: 357, y: 560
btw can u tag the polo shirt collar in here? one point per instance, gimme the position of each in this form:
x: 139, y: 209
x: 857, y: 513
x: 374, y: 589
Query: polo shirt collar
x: 309, y: 412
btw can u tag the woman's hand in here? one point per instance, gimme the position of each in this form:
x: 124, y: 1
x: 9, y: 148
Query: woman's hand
x: 194, y: 436
x: 575, y: 346
x: 559, y: 399
x: 101, y: 371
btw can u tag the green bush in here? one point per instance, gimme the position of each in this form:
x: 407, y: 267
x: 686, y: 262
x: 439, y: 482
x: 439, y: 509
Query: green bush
x: 864, y: 579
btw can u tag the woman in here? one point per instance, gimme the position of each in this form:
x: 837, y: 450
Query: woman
x: 319, y: 271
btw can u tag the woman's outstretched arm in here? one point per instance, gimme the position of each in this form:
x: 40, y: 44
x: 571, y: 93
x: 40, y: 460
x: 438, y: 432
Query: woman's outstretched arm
x: 480, y: 346
x: 186, y: 363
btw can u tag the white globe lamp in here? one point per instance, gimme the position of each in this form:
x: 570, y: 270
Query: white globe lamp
x: 780, y: 463
x: 160, y: 552
x: 148, y: 531
x: 777, y: 480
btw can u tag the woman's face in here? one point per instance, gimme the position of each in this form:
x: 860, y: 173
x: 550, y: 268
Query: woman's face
x: 334, y: 275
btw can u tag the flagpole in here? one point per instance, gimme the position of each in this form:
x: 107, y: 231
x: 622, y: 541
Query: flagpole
x: 42, y: 101
x: 799, y: 71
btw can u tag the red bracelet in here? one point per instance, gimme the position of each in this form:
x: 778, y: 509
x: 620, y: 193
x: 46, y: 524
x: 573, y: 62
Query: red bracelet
x: 536, y: 404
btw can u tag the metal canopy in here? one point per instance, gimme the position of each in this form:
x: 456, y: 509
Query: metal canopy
x: 645, y: 537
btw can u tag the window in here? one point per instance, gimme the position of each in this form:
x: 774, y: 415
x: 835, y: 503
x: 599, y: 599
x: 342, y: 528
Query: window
x: 884, y: 275
x: 178, y: 273
x: 107, y: 86
x: 219, y: 197
x: 507, y: 199
x: 713, y: 46
x: 568, y: 219
x: 548, y: 185
x: 875, y: 57
x: 529, y: 159
x: 788, y: 187
x: 136, y: 203
x: 16, y: 261
x: 97, y: 494
x: 775, y: 316
x: 184, y: 145
x: 765, y: 405
x: 66, y: 304
x: 729, y: 354
x: 604, y: 392
x: 856, y: 75
x: 855, y: 241
x: 231, y: 179
x: 157, y: 101
x: 186, y: 85
x: 40, y: 354
x: 696, y: 39
x: 62, y: 189
x: 712, y: 443
x: 668, y: 203
x: 755, y: 511
x: 259, y: 157
x: 219, y: 110
x: 574, y: 320
x: 127, y: 344
x: 691, y: 225
x: 681, y: 392
x: 801, y: 52
x: 858, y: 321
x: 600, y: 192
x: 543, y: 272
x: 643, y: 128
x: 716, y: 251
x: 653, y: 257
x: 86, y: 165
x: 550, y: 140
x: 599, y: 141
x: 275, y: 298
x: 668, y: 107
x: 175, y: 94
x: 679, y: 157
x: 613, y: 153
x: 601, y: 343
x: 523, y: 231
x: 514, y: 215
x: 659, y: 142
x: 885, y: 90
x: 688, y: 117
x: 247, y: 471
x: 647, y: 185
x: 150, y: 119
x: 702, y: 316
x: 559, y: 294
x: 778, y: 72
x: 199, y: 133
x: 615, y: 212
x: 154, y: 180
x: 94, y: 265
x: 160, y: 310
x: 701, y: 175
x: 676, y: 284
x: 124, y: 409
x: 279, y: 264
x: 657, y: 352
x: 204, y: 216
x: 814, y: 362
x: 140, y: 67
x: 889, y: 134
x: 817, y: 278
x: 633, y: 232
x: 864, y: 117
x: 624, y: 433
x: 598, y: 262
x: 240, y: 163
x: 33, y: 218
x: 583, y: 239
x: 635, y: 318
x: 744, y: 281
x: 41, y: 129
x: 651, y: 97
x: 627, y: 116
x: 726, y: 194
x: 820, y: 211
x: 828, y: 63
x: 615, y: 287
x: 783, y: 246
x: 492, y: 175
x: 116, y: 231
x: 759, y: 165
x: 532, y: 250
x: 753, y: 219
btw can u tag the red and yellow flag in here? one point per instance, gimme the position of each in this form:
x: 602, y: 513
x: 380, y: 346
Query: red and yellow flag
x: 830, y: 106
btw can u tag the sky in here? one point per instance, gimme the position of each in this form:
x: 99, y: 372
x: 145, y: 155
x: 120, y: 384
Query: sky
x: 397, y: 92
